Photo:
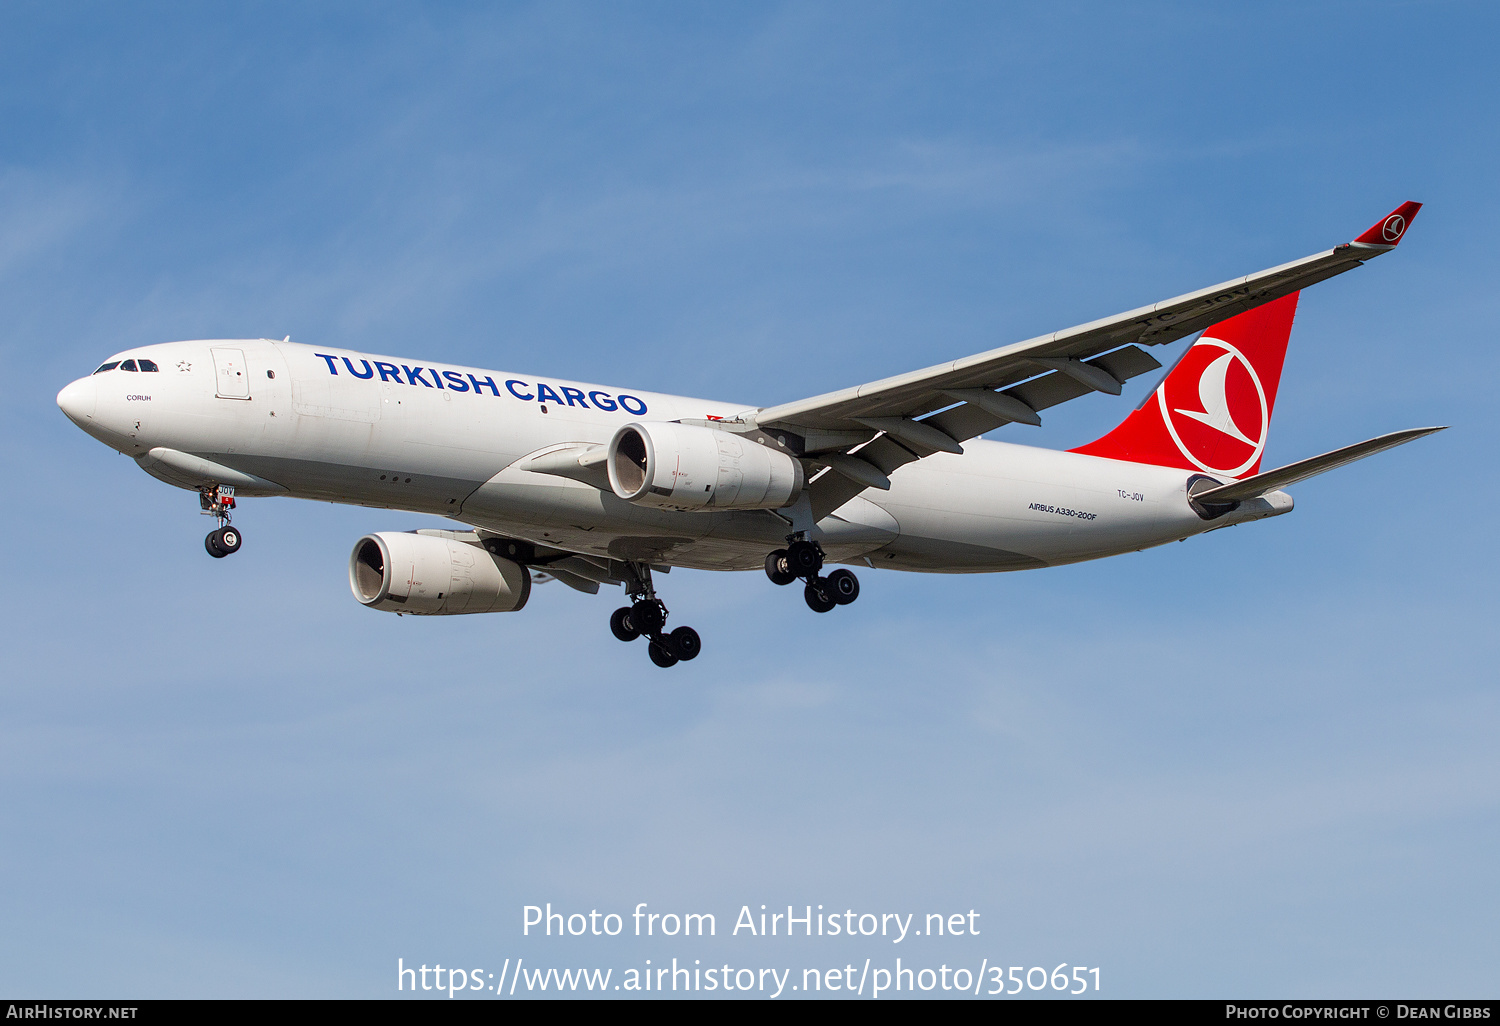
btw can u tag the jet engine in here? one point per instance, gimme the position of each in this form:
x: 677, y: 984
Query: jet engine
x: 429, y: 575
x: 682, y: 467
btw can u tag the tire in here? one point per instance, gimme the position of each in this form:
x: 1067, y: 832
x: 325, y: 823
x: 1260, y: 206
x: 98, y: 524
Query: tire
x: 229, y: 540
x: 803, y: 558
x: 818, y: 598
x: 661, y: 657
x: 621, y: 625
x: 211, y: 543
x: 648, y: 617
x: 685, y: 643
x: 777, y: 569
x: 842, y: 586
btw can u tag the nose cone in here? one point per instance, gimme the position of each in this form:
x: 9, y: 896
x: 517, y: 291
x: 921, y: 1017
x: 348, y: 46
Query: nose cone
x: 77, y: 400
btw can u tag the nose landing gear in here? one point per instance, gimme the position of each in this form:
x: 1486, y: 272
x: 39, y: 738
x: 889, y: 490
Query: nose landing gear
x: 803, y: 559
x: 647, y: 615
x: 217, y: 501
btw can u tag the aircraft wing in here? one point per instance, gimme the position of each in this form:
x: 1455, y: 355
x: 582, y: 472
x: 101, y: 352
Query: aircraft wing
x: 981, y: 392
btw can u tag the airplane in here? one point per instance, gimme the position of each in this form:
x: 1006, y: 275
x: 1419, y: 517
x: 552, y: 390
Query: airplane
x: 592, y: 485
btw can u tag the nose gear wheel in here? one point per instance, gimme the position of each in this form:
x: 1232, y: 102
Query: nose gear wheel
x: 223, y: 542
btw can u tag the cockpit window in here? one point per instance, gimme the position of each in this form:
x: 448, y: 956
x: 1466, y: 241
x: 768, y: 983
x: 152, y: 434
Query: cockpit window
x: 128, y: 365
x: 148, y: 365
x: 107, y: 366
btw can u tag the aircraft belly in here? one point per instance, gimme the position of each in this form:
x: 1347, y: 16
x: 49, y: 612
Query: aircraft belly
x: 355, y: 485
x: 552, y: 511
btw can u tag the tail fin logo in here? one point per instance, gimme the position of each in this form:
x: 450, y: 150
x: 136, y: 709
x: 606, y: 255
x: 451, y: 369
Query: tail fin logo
x: 1231, y: 416
x: 1394, y: 226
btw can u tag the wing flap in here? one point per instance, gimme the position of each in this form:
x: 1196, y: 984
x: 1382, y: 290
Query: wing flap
x: 970, y: 419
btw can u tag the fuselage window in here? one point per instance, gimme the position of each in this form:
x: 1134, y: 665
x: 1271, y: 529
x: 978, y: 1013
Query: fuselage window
x: 149, y: 365
x: 107, y: 366
x: 128, y: 365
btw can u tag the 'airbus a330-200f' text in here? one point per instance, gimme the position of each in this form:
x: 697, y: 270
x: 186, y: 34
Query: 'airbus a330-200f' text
x: 591, y: 485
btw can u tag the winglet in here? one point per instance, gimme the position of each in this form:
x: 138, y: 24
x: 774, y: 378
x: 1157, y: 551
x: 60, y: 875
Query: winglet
x: 1388, y: 232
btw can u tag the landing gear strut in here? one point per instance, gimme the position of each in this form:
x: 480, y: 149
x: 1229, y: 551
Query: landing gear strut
x: 647, y: 615
x: 217, y: 502
x: 803, y: 559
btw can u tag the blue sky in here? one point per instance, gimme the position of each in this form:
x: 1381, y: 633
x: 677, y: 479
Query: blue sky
x: 1259, y: 763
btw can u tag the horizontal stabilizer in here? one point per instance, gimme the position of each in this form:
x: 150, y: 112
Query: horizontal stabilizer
x: 1260, y: 484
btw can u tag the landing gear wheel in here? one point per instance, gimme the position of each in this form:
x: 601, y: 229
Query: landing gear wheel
x: 211, y: 543
x: 803, y: 558
x: 777, y: 568
x: 229, y: 539
x: 684, y: 643
x: 818, y: 598
x: 661, y: 657
x: 842, y: 586
x: 648, y: 616
x: 622, y: 626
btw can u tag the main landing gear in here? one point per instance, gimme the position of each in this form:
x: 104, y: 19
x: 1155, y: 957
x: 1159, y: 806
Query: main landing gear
x: 803, y: 559
x: 647, y: 615
x: 217, y: 501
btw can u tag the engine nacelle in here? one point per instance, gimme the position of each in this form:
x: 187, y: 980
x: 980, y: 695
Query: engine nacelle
x: 434, y: 576
x: 682, y: 467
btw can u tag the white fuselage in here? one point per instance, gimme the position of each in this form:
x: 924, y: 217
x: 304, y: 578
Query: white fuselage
x: 340, y: 426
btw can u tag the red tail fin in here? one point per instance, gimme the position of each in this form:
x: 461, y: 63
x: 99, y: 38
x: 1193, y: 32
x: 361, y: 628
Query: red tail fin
x: 1212, y: 412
